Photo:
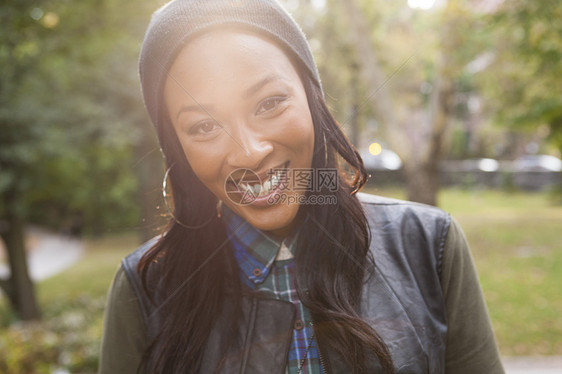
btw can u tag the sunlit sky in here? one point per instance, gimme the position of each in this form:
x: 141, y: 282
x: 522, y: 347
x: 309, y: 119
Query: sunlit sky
x: 421, y: 4
x: 414, y: 4
x: 319, y: 3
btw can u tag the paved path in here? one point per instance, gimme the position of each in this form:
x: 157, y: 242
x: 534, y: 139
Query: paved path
x: 533, y: 365
x: 48, y: 254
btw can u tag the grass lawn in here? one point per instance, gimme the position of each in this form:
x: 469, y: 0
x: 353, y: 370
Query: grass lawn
x: 515, y: 240
x: 93, y: 274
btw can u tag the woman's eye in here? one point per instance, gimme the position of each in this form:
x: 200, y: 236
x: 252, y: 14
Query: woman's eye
x: 269, y: 104
x: 204, y: 128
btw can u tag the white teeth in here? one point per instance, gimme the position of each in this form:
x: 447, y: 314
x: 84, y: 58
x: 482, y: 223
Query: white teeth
x: 259, y: 190
x: 247, y: 188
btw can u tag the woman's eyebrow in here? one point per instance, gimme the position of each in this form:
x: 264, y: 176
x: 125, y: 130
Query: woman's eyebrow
x: 194, y: 108
x: 260, y: 84
x: 206, y: 108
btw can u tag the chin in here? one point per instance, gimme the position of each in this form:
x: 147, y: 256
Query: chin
x: 278, y: 220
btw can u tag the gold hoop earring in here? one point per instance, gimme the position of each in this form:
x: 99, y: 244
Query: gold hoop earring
x: 170, y: 210
x: 219, y: 209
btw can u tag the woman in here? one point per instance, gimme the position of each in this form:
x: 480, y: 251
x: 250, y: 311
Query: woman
x: 272, y: 262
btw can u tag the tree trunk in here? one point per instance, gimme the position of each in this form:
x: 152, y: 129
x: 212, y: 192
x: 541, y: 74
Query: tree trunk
x: 19, y: 287
x: 422, y: 182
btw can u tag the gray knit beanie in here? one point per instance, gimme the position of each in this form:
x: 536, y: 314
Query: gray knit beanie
x: 173, y: 24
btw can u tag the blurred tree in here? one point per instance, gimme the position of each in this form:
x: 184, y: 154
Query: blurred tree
x: 523, y: 79
x: 413, y: 77
x: 19, y: 146
x: 71, y: 117
x: 414, y: 121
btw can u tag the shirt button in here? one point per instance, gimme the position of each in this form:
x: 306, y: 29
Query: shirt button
x: 257, y: 272
x: 299, y: 324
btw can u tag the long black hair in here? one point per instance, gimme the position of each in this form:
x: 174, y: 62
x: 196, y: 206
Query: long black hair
x: 189, y: 270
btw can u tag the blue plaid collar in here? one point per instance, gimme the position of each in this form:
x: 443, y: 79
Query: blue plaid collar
x: 254, y: 250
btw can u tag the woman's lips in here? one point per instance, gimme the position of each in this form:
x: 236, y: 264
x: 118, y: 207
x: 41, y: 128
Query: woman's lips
x: 257, y: 189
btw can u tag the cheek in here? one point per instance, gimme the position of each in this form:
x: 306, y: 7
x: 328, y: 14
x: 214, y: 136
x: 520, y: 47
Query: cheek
x: 299, y: 134
x: 206, y: 166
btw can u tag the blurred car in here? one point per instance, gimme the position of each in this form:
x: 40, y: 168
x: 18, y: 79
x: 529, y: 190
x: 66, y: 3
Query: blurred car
x: 537, y: 163
x: 385, y: 160
x: 470, y: 165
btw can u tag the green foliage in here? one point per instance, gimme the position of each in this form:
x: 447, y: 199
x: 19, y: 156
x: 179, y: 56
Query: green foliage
x: 19, y: 53
x: 527, y: 85
x: 503, y: 60
x: 73, y: 303
x: 26, y: 349
x: 71, y: 112
x: 69, y: 341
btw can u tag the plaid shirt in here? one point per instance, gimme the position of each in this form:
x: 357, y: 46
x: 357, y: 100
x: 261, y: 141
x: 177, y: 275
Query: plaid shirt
x: 256, y: 254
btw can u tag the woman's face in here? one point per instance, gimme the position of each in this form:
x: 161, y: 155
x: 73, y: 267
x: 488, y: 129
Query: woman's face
x: 237, y: 103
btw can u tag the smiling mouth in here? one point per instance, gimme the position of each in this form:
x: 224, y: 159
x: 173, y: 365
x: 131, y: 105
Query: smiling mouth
x: 248, y: 185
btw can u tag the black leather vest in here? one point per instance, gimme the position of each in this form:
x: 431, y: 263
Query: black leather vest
x: 402, y: 300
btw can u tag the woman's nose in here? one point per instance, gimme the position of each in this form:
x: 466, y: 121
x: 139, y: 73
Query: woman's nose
x: 249, y: 150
